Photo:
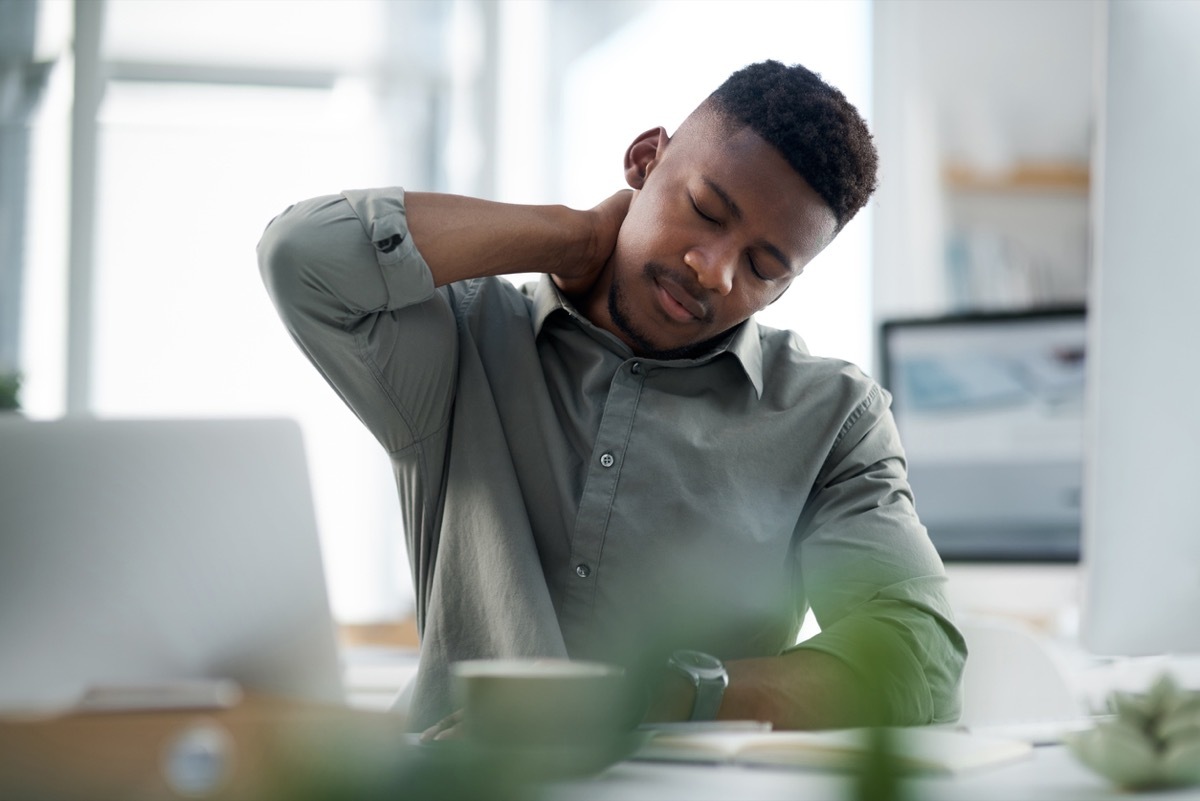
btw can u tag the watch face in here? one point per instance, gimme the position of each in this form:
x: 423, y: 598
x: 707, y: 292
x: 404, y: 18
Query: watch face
x: 701, y: 664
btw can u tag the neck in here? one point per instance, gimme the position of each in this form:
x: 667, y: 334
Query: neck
x: 593, y: 304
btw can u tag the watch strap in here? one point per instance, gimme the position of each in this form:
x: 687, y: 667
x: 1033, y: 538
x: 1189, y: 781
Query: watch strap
x: 708, y: 678
x: 709, y: 694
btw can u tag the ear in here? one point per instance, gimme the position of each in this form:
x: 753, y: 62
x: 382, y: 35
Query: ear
x: 643, y: 154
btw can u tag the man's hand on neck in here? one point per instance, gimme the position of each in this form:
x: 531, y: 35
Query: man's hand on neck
x: 606, y: 218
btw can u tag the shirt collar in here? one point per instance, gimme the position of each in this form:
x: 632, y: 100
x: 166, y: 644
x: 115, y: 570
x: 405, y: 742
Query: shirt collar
x: 743, y: 344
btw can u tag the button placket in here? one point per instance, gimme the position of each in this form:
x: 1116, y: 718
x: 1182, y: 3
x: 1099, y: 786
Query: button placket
x: 599, y: 493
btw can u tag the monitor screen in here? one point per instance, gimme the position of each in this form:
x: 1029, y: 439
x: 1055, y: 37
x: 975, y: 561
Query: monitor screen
x: 990, y: 411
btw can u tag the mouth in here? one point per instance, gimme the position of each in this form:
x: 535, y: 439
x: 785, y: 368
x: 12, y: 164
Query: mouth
x: 677, y: 302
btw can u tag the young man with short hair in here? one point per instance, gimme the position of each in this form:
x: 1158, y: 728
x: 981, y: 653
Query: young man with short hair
x: 617, y: 462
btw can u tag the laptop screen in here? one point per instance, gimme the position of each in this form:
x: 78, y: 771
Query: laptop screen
x: 990, y: 410
x: 149, y: 551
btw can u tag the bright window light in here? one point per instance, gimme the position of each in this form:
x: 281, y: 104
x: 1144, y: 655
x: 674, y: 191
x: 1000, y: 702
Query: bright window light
x: 189, y: 177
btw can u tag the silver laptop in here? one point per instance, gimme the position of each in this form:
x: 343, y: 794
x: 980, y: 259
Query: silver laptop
x: 143, y: 552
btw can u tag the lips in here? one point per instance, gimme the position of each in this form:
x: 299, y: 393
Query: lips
x: 677, y: 302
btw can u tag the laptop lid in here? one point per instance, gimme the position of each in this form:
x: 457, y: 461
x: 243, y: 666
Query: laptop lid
x: 990, y: 411
x: 143, y: 551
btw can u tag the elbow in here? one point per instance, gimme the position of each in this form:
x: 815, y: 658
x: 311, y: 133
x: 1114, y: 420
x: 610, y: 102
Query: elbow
x: 921, y: 674
x: 946, y: 691
x: 297, y: 259
x: 316, y: 262
x: 279, y: 253
x: 944, y: 678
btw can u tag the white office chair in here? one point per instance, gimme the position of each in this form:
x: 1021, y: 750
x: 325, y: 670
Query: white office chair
x: 1011, y: 679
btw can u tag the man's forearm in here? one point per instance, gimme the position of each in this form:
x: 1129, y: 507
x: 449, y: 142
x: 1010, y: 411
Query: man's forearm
x: 463, y: 237
x: 797, y: 690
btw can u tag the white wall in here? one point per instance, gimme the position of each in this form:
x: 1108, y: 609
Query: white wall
x: 988, y: 84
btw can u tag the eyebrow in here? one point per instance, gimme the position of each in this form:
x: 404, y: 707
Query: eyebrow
x: 736, y: 212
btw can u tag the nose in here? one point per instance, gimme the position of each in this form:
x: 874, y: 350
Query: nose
x: 714, y: 267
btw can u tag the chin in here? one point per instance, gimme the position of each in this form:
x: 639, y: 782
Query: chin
x: 629, y: 322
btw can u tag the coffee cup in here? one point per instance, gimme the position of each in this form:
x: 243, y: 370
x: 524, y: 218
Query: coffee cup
x: 559, y: 703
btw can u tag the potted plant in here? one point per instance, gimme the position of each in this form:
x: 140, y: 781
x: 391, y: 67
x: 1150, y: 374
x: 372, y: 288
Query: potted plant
x: 10, y: 388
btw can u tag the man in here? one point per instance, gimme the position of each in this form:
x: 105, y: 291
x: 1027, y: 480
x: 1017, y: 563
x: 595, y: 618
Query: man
x: 618, y: 463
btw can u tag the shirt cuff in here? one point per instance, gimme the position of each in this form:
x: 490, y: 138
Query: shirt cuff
x: 404, y: 271
x: 884, y: 661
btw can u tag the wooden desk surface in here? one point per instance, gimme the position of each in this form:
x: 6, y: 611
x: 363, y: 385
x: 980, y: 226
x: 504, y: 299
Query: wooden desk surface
x: 260, y: 749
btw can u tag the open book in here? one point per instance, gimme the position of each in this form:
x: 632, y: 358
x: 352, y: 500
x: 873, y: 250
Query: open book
x: 917, y: 750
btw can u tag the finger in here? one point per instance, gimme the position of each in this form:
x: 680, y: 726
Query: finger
x: 615, y: 206
x: 450, y: 733
x: 446, y: 723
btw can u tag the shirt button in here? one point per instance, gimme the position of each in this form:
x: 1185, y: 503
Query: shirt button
x: 636, y: 368
x: 582, y: 570
x: 607, y: 460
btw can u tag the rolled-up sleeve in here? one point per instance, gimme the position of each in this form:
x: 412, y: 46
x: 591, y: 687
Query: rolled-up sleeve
x: 357, y: 297
x: 874, y: 580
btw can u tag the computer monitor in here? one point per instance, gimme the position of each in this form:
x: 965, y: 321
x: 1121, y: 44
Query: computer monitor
x: 1141, y: 545
x: 990, y: 410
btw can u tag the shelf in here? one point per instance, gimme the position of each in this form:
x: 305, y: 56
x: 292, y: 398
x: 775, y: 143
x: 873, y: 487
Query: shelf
x: 1031, y: 177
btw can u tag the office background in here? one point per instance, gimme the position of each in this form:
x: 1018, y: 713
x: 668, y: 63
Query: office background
x: 145, y: 145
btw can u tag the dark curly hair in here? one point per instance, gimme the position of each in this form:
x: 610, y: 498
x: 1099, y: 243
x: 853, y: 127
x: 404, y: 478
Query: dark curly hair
x: 811, y: 124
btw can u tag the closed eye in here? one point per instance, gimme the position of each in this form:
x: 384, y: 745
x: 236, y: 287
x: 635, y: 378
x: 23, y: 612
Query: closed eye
x: 754, y: 269
x: 700, y: 212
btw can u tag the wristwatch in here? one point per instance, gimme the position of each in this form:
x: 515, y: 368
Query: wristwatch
x: 707, y: 675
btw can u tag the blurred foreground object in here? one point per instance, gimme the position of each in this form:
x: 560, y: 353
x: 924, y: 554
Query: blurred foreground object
x: 1153, y: 743
x: 546, y: 718
x: 261, y: 749
x: 10, y: 389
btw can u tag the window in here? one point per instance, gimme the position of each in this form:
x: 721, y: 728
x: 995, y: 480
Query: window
x: 218, y: 114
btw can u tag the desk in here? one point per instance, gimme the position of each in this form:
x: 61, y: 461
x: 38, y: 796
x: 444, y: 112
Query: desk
x: 251, y: 752
x: 278, y: 748
x: 1052, y: 774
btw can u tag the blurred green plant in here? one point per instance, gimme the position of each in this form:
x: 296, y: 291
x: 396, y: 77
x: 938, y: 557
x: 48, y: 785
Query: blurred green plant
x: 10, y: 389
x: 367, y: 757
x: 376, y: 770
x: 1152, y: 743
x: 879, y: 776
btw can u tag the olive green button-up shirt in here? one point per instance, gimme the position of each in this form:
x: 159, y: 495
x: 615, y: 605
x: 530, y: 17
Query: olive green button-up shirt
x: 563, y: 497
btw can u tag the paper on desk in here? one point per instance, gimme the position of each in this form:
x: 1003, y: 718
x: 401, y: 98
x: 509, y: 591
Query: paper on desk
x: 187, y: 694
x: 917, y: 749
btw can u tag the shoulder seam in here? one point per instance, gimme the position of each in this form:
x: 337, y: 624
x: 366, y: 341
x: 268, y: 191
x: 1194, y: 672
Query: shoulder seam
x: 856, y: 415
